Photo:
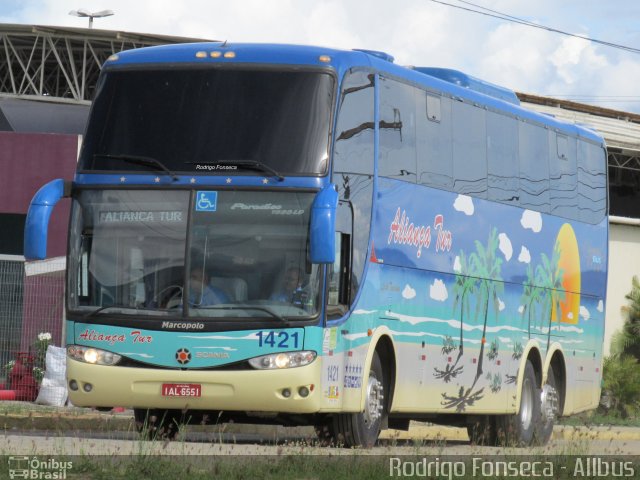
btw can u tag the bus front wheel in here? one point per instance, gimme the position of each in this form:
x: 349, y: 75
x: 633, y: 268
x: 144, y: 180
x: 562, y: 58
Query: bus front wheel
x: 359, y: 429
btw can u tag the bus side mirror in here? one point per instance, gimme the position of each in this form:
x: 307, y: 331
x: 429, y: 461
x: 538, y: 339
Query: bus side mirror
x: 37, y: 224
x: 323, y: 226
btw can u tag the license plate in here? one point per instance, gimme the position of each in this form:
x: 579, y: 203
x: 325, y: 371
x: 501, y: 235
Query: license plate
x: 181, y: 390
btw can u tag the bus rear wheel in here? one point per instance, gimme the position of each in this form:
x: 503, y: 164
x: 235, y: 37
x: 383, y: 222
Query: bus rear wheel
x: 549, y: 409
x: 359, y: 429
x: 154, y: 424
x: 518, y: 430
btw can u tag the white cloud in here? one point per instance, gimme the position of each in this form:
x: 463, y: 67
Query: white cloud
x: 521, y: 309
x: 408, y: 292
x: 464, y: 204
x: 525, y: 256
x: 456, y: 265
x: 416, y: 33
x: 505, y: 246
x: 531, y: 220
x: 438, y: 291
x: 584, y: 313
x: 600, y: 307
x: 501, y: 305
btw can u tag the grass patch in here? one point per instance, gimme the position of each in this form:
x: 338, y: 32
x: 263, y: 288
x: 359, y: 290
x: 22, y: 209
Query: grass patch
x: 589, y: 419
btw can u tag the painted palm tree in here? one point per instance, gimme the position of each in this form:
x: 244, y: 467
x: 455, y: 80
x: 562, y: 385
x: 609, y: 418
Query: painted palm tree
x: 464, y: 288
x: 531, y: 296
x: 549, y: 278
x: 488, y: 266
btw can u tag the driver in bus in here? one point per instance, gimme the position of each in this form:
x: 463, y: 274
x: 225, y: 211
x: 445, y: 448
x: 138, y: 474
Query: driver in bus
x: 201, y: 292
x: 291, y: 290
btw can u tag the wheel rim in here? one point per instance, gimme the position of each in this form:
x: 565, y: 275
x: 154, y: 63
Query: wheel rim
x: 526, y: 405
x: 373, y: 405
x: 549, y: 402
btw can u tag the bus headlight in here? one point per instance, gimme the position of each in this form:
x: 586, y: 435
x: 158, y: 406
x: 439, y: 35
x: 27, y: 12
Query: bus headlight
x: 92, y: 355
x: 283, y: 360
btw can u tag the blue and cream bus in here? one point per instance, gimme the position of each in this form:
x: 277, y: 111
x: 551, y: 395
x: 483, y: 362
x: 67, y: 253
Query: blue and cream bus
x: 306, y: 236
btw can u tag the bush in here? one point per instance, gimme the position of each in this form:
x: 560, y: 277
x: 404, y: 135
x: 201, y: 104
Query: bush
x: 621, y: 389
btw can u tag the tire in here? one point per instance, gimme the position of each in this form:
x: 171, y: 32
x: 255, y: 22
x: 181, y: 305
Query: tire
x: 156, y: 424
x: 518, y: 430
x: 359, y: 429
x: 549, y: 409
x: 482, y: 430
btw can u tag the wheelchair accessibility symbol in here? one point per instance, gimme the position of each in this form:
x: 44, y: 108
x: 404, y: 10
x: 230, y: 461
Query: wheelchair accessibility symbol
x: 206, y: 201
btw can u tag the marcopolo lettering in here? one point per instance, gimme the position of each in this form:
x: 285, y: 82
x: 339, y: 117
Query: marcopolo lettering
x: 183, y: 325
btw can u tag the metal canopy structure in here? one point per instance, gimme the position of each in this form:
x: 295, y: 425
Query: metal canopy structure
x: 60, y: 64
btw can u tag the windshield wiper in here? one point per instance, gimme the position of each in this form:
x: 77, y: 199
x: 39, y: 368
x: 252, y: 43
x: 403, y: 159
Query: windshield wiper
x: 260, y: 309
x: 140, y: 160
x: 263, y: 167
x: 92, y: 313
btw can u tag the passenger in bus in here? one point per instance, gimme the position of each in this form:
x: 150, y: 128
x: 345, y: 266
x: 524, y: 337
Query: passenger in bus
x: 201, y: 292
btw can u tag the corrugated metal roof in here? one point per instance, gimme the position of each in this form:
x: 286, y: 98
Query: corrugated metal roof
x: 95, y: 33
x: 619, y: 129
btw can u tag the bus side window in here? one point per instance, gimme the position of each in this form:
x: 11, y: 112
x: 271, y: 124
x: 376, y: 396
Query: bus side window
x: 433, y: 140
x: 397, y: 149
x: 563, y: 176
x: 592, y: 186
x: 502, y: 159
x: 353, y: 148
x: 469, y: 150
x: 533, y: 145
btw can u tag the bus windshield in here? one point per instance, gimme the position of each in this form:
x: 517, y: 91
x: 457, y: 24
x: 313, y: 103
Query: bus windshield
x: 206, y: 254
x: 210, y: 121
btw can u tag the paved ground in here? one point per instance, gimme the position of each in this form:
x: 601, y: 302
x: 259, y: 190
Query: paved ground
x: 25, y: 417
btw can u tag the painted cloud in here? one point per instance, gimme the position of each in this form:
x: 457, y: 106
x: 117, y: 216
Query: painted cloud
x: 600, y: 306
x: 501, y: 305
x: 525, y: 256
x: 408, y: 292
x: 438, y: 291
x: 456, y: 265
x: 505, y: 246
x: 584, y: 313
x: 464, y: 204
x: 531, y: 220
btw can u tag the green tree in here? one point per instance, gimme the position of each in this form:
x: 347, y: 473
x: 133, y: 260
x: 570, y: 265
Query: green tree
x: 627, y: 340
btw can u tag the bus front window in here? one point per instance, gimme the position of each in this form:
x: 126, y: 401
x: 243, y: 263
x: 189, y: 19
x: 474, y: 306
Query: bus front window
x: 246, y: 254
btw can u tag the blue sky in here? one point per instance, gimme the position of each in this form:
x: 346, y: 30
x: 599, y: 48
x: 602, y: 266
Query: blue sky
x: 415, y: 32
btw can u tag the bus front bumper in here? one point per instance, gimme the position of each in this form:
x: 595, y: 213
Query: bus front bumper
x: 230, y: 390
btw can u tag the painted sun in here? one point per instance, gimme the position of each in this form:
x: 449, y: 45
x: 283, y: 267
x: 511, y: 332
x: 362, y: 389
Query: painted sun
x: 569, y: 268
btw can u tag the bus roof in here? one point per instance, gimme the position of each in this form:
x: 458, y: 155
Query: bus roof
x: 446, y: 81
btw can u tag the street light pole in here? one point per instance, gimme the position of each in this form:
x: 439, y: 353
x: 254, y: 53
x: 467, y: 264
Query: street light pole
x: 81, y: 12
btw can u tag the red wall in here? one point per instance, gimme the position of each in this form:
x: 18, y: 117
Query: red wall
x: 28, y: 161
